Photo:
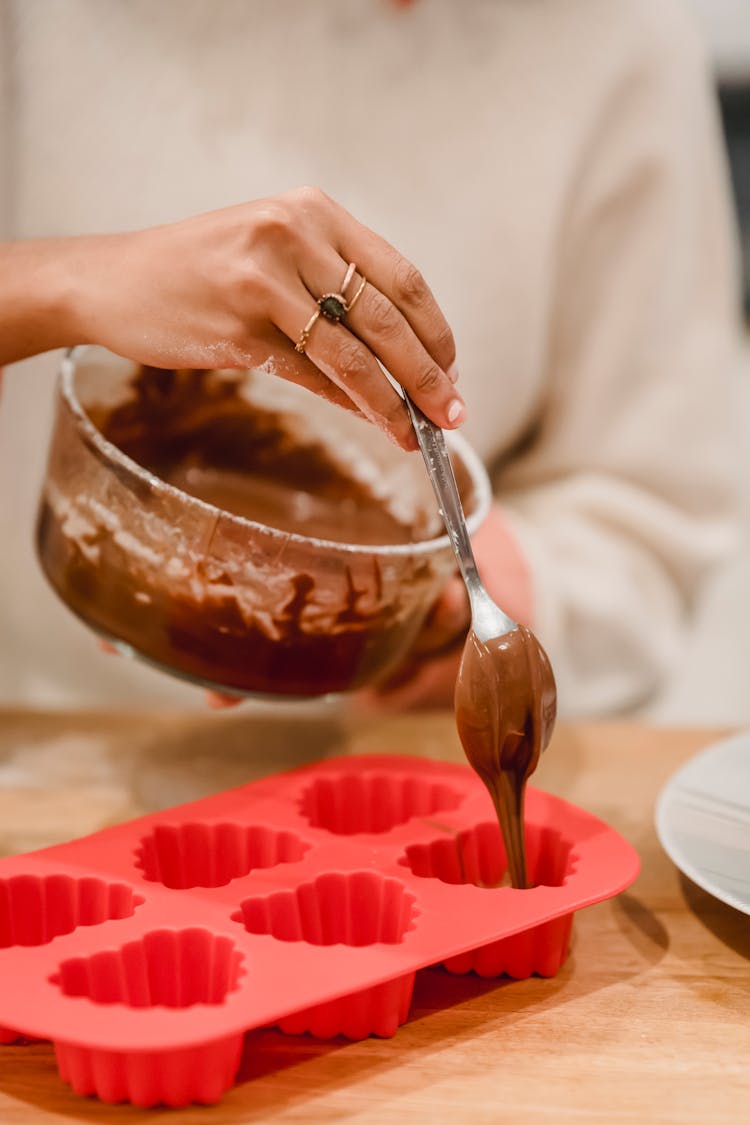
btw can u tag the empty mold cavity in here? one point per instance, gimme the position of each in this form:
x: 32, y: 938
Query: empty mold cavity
x: 168, y: 968
x: 211, y: 855
x: 35, y: 909
x: 478, y: 856
x: 349, y: 803
x: 352, y: 908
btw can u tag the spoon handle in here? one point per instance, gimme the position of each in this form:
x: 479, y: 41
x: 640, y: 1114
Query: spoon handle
x: 435, y: 453
x: 487, y: 619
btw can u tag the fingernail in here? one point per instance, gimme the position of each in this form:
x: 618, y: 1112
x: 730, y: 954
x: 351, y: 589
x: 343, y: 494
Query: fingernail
x: 452, y: 372
x: 456, y: 411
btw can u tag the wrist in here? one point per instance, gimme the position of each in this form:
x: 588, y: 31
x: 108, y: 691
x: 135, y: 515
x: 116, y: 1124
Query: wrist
x: 58, y: 285
x: 79, y: 285
x: 40, y: 296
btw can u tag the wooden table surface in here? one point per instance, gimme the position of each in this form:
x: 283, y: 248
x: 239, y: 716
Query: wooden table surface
x: 647, y: 1021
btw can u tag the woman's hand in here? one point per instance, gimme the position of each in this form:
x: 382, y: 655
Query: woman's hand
x: 237, y: 287
x: 427, y: 678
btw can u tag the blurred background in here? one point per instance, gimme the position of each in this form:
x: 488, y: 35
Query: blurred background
x: 53, y: 178
x: 726, y: 27
x: 725, y: 613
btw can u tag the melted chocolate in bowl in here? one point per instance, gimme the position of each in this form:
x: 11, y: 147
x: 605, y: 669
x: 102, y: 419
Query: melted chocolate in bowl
x: 505, y: 711
x: 196, y: 432
x: 259, y: 607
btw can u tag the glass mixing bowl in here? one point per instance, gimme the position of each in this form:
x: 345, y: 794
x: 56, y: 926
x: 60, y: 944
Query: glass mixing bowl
x: 223, y: 600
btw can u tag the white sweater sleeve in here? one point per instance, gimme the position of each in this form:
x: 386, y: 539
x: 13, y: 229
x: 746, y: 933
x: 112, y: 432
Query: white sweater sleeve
x: 5, y: 155
x: 625, y: 496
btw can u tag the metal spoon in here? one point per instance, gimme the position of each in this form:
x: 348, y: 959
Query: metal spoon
x: 487, y: 619
x: 506, y: 698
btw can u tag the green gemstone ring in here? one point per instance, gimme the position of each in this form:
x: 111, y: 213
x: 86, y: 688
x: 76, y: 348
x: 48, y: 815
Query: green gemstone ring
x: 332, y: 306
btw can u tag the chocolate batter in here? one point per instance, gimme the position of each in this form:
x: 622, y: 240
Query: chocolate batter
x: 281, y: 630
x: 505, y: 711
x: 195, y: 430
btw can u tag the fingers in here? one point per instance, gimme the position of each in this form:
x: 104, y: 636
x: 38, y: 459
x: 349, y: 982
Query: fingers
x: 423, y: 685
x: 385, y: 330
x: 300, y: 248
x: 214, y: 699
x: 447, y: 622
x: 378, y: 322
x: 282, y: 360
x: 388, y: 336
x: 398, y: 316
x: 347, y: 362
x: 218, y: 702
x: 399, y: 280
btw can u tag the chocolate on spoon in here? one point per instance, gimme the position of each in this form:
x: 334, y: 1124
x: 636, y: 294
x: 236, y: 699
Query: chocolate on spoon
x: 506, y: 698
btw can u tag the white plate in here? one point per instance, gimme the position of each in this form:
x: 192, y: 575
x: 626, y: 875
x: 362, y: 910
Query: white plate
x: 703, y: 820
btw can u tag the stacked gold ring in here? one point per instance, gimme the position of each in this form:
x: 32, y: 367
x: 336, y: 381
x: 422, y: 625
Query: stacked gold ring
x: 333, y: 306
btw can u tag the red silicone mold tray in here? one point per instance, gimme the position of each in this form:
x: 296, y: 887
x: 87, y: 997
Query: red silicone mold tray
x: 307, y: 901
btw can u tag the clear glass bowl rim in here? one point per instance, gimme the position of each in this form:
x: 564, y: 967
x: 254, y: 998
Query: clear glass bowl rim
x: 129, y: 467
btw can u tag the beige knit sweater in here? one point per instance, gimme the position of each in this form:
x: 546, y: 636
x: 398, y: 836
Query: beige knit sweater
x: 553, y: 166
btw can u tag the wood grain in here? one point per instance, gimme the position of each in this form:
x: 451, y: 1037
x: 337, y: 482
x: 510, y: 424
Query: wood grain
x: 647, y: 1022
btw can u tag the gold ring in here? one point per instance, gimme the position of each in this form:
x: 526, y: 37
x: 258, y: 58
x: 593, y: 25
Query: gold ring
x: 357, y: 295
x: 333, y: 306
x: 350, y: 271
x: 304, y: 335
